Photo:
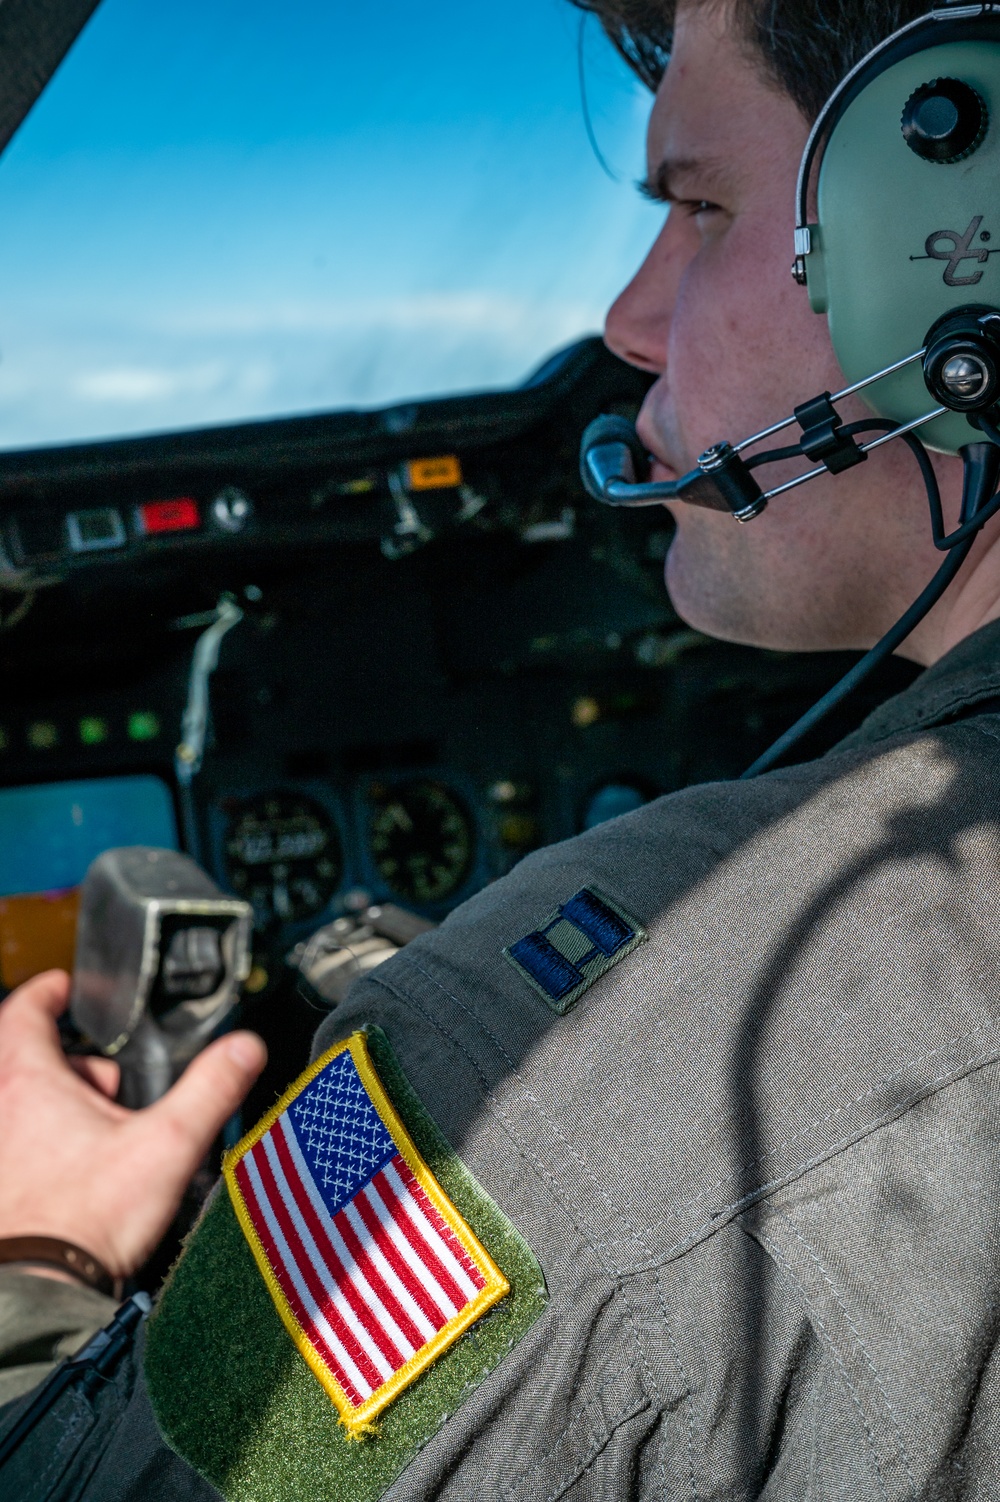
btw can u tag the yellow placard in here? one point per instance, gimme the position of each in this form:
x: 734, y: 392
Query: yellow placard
x: 443, y: 473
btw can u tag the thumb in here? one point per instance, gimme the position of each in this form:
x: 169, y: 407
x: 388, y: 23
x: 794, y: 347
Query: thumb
x: 212, y: 1087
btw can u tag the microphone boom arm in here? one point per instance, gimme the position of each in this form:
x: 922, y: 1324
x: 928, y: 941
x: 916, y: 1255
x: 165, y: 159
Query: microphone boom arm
x: 614, y: 465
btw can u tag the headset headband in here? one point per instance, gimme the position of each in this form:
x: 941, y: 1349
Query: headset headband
x: 901, y: 43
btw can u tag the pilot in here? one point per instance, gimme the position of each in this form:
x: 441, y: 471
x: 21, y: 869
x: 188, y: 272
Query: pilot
x: 667, y: 1166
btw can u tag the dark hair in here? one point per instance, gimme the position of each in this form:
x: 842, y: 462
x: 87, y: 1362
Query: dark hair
x: 806, y: 46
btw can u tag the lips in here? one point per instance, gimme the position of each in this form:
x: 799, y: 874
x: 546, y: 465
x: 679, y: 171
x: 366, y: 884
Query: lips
x: 659, y: 471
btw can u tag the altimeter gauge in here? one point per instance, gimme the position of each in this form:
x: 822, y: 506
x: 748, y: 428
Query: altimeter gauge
x: 422, y: 840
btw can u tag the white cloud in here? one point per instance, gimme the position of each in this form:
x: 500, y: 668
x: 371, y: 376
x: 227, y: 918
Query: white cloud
x: 444, y: 312
x: 136, y: 385
x: 77, y: 383
x: 125, y: 384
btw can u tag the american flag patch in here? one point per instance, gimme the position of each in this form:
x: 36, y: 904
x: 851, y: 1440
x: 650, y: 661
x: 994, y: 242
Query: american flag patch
x: 372, y: 1269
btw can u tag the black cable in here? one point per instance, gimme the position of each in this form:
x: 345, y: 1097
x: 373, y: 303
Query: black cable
x: 943, y: 541
x: 970, y: 528
x: 928, y: 474
x: 774, y: 456
x: 985, y: 426
x: 874, y: 425
x: 90, y: 1368
x: 916, y: 448
x: 982, y: 471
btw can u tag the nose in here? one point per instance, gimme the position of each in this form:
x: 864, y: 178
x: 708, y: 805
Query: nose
x: 638, y: 323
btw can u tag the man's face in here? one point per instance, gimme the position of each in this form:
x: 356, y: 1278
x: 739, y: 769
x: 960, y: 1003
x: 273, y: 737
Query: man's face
x: 715, y: 313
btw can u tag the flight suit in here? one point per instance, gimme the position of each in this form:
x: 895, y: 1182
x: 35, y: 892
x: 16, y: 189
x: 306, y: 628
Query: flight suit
x: 755, y: 1154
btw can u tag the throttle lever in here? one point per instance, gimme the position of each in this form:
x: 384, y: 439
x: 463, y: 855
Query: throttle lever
x: 161, y: 954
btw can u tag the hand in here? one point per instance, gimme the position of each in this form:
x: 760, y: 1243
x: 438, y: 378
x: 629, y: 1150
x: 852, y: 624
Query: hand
x: 73, y: 1163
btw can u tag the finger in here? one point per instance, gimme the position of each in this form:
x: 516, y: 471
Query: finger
x: 205, y: 1096
x: 44, y: 996
x: 103, y: 1074
x: 28, y: 1016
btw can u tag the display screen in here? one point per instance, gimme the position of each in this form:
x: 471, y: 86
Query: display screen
x: 49, y: 834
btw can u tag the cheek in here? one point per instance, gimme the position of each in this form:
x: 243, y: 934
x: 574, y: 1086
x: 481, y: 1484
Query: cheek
x: 745, y: 347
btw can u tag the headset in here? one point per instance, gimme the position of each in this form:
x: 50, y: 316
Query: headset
x: 903, y: 164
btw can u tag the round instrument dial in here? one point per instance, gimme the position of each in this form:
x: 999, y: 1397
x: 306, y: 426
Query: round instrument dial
x: 611, y: 800
x: 422, y: 840
x: 284, y: 856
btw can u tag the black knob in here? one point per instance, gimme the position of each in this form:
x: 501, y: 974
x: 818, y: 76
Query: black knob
x: 945, y: 121
x: 962, y: 359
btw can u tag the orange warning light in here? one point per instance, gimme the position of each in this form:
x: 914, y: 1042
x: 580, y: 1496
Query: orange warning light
x: 443, y: 473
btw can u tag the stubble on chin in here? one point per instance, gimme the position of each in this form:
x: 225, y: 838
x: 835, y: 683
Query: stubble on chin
x: 699, y: 578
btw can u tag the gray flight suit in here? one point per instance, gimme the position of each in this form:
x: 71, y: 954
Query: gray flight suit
x: 758, y: 1161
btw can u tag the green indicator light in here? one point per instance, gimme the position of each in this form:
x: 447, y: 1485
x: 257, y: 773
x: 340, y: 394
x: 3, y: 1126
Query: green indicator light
x: 143, y: 725
x: 42, y: 735
x: 93, y: 730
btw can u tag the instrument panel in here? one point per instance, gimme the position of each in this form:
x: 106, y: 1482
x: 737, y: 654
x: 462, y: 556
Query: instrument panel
x: 442, y: 654
x: 302, y: 855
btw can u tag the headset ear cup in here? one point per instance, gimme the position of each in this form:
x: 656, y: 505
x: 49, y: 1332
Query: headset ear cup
x: 904, y: 162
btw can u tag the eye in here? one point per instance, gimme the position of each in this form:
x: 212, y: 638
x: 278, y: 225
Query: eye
x: 696, y: 206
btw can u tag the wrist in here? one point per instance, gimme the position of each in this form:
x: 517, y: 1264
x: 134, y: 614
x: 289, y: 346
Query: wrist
x: 43, y: 1270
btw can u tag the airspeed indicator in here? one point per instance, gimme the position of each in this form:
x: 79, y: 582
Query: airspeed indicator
x: 283, y: 855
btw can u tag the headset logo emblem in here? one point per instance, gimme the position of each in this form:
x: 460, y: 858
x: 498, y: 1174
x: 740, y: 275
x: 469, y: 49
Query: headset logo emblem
x: 948, y: 245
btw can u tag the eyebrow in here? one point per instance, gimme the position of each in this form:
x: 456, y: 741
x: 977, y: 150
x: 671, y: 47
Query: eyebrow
x: 662, y: 184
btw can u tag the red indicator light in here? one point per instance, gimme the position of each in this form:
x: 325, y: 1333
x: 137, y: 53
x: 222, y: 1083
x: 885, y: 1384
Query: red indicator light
x: 180, y: 515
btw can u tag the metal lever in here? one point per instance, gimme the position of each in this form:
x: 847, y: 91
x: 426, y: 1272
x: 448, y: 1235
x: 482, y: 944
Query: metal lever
x: 160, y: 956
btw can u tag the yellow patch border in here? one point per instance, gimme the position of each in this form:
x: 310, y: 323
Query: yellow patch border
x: 358, y: 1421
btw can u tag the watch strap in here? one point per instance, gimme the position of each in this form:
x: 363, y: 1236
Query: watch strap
x: 52, y: 1251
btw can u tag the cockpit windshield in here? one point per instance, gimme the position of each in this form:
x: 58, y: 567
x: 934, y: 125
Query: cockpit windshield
x: 209, y: 216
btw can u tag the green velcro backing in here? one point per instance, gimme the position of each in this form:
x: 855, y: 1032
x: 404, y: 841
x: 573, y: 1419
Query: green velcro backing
x: 233, y: 1396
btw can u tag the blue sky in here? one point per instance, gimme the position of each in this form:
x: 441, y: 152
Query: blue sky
x: 224, y: 209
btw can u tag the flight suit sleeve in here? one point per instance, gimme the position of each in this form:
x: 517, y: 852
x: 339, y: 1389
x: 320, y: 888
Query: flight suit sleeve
x: 41, y: 1321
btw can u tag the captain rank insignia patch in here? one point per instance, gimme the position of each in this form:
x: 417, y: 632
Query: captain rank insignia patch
x: 373, y: 1271
x: 577, y: 944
